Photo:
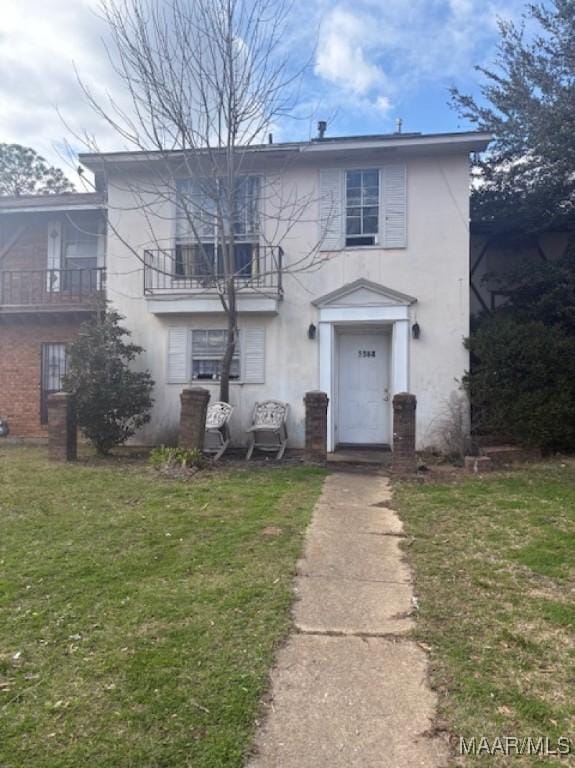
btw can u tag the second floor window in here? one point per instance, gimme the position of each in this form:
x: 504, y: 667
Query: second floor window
x: 201, y: 236
x: 362, y: 207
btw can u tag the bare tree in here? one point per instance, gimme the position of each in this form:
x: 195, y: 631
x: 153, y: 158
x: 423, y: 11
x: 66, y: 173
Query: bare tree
x: 206, y: 80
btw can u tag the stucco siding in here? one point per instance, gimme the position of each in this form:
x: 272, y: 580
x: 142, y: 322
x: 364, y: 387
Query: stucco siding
x: 434, y: 268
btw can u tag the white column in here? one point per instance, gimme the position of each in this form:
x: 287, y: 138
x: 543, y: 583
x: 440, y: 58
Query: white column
x: 326, y: 356
x: 54, y: 256
x: 400, y: 357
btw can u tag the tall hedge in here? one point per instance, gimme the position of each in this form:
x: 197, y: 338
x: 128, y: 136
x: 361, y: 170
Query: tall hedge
x: 522, y: 381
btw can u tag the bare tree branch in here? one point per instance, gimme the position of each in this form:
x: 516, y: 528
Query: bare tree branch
x: 205, y: 80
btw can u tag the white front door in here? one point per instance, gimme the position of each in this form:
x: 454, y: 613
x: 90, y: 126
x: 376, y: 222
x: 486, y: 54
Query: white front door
x: 363, y: 388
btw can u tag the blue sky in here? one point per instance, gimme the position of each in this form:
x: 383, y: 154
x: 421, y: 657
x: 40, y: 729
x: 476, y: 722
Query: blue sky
x: 371, y: 61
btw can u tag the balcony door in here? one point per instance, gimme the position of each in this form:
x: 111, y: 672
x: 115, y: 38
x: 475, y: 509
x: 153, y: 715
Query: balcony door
x: 80, y: 257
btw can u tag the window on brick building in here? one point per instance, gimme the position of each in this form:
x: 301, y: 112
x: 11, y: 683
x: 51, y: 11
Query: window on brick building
x: 53, y: 370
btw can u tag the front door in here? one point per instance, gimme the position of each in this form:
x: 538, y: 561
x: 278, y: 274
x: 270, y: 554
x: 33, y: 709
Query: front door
x: 363, y: 388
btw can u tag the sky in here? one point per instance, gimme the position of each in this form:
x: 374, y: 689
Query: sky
x: 370, y: 62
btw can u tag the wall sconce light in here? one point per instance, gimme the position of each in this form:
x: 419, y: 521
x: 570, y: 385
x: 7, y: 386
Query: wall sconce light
x: 415, y: 331
x: 311, y: 331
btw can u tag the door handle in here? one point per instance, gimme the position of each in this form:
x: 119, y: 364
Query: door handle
x: 386, y: 395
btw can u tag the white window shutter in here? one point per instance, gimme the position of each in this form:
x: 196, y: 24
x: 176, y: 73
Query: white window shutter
x: 330, y: 209
x: 178, y: 356
x: 394, y: 205
x: 54, y: 256
x: 253, y: 350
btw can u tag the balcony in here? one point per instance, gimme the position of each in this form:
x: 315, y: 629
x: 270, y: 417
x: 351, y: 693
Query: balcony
x: 58, y: 291
x: 178, y: 280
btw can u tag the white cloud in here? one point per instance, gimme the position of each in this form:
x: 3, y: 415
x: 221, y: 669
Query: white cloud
x: 386, y: 48
x: 384, y: 104
x: 372, y: 55
x: 342, y: 57
x: 461, y: 7
x: 41, y: 41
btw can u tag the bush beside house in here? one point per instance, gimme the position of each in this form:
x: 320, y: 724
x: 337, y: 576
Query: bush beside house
x: 522, y: 383
x: 113, y: 401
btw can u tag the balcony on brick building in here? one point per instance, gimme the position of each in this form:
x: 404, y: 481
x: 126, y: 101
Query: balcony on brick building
x: 51, y: 290
x: 52, y: 253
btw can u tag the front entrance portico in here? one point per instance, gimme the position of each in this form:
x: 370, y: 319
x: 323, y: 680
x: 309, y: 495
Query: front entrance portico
x: 364, y: 360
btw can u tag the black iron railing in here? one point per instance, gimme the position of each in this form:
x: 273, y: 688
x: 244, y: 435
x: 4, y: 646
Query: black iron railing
x: 54, y: 287
x: 192, y: 267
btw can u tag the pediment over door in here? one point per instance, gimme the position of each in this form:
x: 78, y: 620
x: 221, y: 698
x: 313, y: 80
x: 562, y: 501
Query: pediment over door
x: 364, y: 293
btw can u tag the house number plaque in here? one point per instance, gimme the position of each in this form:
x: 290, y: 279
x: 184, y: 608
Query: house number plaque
x: 366, y: 352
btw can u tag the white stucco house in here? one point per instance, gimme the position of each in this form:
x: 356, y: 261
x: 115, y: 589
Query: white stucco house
x: 384, y: 309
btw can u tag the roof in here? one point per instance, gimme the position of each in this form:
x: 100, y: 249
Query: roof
x: 508, y: 229
x: 383, y: 292
x: 465, y: 141
x: 83, y: 201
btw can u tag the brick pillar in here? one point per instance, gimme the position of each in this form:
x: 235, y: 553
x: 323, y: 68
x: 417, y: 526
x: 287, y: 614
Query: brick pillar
x: 193, y: 417
x: 403, y: 459
x: 62, y: 427
x: 316, y: 426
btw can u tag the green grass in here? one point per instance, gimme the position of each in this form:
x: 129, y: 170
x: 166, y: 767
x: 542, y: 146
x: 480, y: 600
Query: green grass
x: 139, y: 615
x: 494, y: 561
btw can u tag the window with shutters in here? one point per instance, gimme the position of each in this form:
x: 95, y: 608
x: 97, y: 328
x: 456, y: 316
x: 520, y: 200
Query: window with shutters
x: 208, y: 348
x: 197, y: 354
x: 362, y: 207
x: 199, y: 241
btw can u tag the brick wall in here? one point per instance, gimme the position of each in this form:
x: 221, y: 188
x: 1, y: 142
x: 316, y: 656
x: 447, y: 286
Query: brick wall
x: 316, y: 425
x: 404, y: 459
x: 31, y: 249
x: 20, y: 353
x: 194, y: 405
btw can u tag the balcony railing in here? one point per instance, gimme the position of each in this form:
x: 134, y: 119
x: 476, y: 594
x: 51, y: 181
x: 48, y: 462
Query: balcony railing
x: 184, y: 268
x: 52, y: 288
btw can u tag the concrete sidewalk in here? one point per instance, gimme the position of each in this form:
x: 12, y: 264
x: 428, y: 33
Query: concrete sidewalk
x: 348, y: 688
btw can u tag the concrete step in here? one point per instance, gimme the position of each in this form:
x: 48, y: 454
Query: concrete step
x: 502, y: 455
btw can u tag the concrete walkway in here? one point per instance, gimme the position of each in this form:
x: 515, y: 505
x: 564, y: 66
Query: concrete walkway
x: 349, y: 688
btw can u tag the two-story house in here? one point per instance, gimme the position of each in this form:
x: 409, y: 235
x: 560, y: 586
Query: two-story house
x: 384, y: 309
x: 52, y: 257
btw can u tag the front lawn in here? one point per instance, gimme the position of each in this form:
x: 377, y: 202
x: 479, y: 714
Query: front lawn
x: 138, y: 615
x: 494, y: 560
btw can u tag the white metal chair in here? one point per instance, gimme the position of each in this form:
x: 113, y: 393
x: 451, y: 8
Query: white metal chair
x: 269, y: 430
x: 217, y: 435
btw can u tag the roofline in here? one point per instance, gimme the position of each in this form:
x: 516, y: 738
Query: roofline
x: 479, y: 138
x: 361, y: 282
x: 477, y: 141
x: 72, y: 201
x: 503, y: 229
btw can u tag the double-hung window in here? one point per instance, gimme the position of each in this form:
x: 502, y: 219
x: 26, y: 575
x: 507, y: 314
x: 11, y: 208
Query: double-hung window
x: 208, y: 349
x: 204, y: 212
x: 362, y: 207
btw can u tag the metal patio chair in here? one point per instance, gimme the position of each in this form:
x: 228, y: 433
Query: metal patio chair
x: 217, y: 435
x: 269, y: 430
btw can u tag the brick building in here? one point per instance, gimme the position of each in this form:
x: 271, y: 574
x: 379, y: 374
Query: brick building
x: 52, y: 272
